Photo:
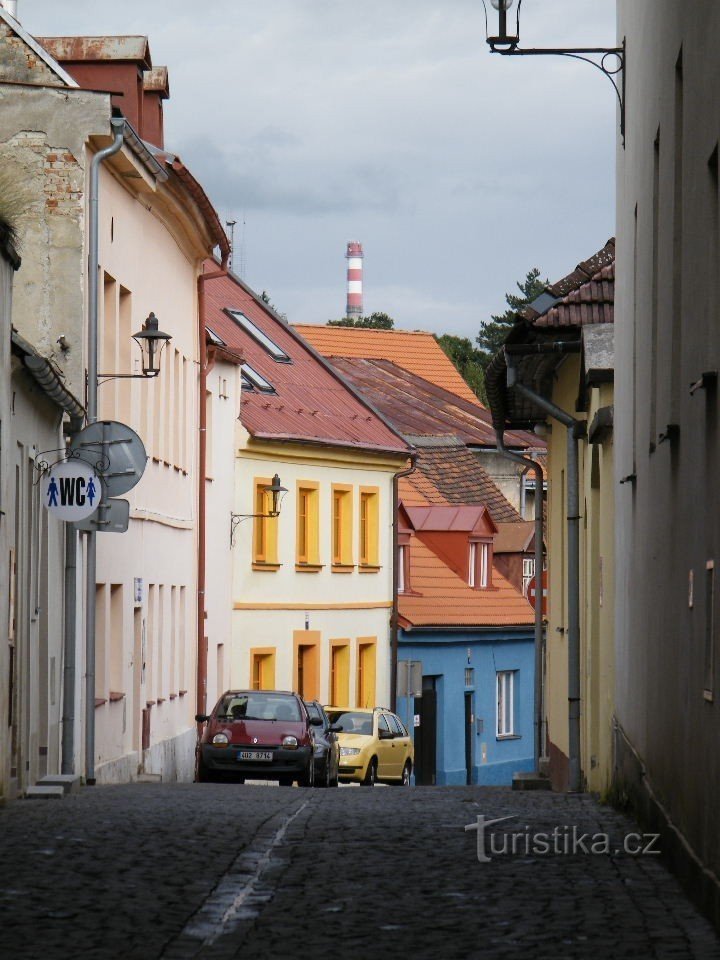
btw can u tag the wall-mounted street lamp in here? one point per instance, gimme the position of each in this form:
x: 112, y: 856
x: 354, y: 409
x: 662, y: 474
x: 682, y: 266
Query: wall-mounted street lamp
x: 151, y: 342
x: 277, y: 495
x: 609, y: 60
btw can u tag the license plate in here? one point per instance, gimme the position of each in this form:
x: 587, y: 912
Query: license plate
x: 255, y: 755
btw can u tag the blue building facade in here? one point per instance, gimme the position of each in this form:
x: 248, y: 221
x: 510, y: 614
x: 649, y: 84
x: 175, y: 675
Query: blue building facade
x: 474, y: 722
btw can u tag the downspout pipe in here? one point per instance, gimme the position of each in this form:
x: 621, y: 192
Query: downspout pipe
x: 70, y: 639
x: 202, y: 653
x: 530, y: 464
x: 118, y: 128
x: 395, y: 581
x: 575, y: 431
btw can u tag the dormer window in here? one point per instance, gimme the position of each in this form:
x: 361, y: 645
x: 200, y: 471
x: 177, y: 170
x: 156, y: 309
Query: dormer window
x: 479, y: 564
x: 276, y: 352
x: 252, y: 380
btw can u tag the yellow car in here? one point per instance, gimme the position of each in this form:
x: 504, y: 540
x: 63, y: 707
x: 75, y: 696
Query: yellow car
x: 375, y: 747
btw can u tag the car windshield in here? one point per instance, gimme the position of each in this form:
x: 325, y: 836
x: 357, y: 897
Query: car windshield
x: 258, y: 706
x: 352, y: 722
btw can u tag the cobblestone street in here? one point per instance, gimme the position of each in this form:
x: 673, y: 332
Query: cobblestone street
x: 220, y: 871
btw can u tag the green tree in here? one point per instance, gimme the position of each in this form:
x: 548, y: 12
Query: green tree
x: 376, y: 321
x: 265, y: 297
x: 467, y: 360
x: 494, y: 331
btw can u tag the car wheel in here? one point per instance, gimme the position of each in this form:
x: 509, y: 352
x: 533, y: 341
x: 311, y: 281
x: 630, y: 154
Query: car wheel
x: 370, y: 778
x: 203, y: 774
x: 404, y: 781
x: 325, y: 780
x: 308, y: 778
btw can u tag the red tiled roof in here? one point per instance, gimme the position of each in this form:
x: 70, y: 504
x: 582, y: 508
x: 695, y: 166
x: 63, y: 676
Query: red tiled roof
x: 457, y: 475
x: 311, y: 403
x: 416, y: 351
x: 592, y: 302
x: 441, y: 598
x: 418, y: 406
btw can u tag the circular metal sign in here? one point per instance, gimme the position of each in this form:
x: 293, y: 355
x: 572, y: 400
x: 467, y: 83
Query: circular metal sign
x: 71, y: 490
x: 115, y: 451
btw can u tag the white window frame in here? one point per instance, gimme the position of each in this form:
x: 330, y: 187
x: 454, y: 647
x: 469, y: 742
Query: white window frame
x: 505, y: 704
x: 528, y: 569
x: 402, y: 586
x: 472, y: 564
x: 484, y: 564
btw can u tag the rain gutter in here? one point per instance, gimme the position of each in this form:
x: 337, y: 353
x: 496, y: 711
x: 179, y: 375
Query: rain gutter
x: 119, y: 127
x: 575, y: 431
x: 395, y: 581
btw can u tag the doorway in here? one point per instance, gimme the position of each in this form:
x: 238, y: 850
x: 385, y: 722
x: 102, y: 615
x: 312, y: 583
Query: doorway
x: 469, y: 723
x: 426, y: 734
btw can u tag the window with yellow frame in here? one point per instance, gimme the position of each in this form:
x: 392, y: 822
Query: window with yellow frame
x: 342, y: 527
x: 369, y: 527
x: 265, y: 529
x: 307, y: 553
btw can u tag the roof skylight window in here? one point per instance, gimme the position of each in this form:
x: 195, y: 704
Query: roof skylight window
x: 257, y: 334
x: 252, y: 380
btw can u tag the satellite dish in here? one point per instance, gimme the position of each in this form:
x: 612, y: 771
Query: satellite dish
x: 115, y: 451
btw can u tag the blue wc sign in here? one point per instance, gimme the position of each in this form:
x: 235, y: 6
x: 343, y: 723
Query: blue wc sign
x: 71, y: 490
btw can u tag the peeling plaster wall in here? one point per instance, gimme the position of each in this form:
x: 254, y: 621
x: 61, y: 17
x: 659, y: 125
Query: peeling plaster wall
x: 43, y: 138
x: 20, y: 63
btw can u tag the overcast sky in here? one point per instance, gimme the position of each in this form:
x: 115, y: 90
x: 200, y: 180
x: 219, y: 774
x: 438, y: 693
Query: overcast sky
x: 314, y: 122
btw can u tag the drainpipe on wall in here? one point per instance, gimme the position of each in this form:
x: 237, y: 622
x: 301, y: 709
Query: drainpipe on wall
x: 575, y: 431
x: 394, y: 612
x: 201, y: 687
x: 70, y: 639
x: 118, y: 128
x: 530, y: 464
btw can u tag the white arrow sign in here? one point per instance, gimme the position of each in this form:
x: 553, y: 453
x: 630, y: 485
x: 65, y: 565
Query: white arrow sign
x: 71, y: 490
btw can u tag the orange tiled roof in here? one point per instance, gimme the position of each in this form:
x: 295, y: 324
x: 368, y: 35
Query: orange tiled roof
x: 415, y: 351
x: 417, y: 490
x: 441, y: 598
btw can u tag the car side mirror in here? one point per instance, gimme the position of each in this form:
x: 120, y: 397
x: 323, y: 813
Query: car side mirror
x: 316, y: 721
x: 386, y: 735
x: 335, y: 728
x: 201, y: 718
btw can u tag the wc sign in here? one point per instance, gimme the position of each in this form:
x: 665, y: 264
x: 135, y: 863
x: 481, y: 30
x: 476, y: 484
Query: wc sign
x: 71, y: 490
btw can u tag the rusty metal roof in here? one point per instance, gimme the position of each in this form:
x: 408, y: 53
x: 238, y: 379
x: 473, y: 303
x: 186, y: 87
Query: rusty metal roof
x: 77, y: 49
x: 311, y: 402
x: 419, y: 407
x: 416, y: 351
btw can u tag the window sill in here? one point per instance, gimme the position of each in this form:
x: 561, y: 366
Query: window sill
x: 266, y: 567
x: 116, y: 695
x: 369, y: 568
x: 99, y: 701
x: 508, y: 736
x: 309, y: 567
x: 343, y: 567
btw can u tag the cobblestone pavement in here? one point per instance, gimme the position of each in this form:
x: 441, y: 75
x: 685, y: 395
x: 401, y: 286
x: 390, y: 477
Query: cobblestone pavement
x: 220, y: 871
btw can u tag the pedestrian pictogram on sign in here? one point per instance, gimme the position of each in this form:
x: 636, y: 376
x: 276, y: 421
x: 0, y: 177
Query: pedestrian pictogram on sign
x: 532, y: 591
x: 71, y: 490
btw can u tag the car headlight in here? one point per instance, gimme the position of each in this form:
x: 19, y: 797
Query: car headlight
x: 290, y: 743
x: 220, y: 740
x: 349, y: 751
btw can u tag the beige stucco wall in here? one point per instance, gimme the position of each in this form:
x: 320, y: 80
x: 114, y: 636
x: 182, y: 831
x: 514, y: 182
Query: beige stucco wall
x: 6, y: 481
x: 668, y: 526
x: 343, y: 606
x: 160, y: 547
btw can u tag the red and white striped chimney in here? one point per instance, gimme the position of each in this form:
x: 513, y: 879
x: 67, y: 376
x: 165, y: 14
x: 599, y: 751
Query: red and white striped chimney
x: 354, y: 258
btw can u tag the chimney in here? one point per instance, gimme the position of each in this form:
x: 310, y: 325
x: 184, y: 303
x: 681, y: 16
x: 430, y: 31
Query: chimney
x: 354, y: 258
x: 156, y: 88
x: 10, y: 6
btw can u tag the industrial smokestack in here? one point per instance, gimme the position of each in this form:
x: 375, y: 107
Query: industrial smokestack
x: 10, y: 6
x: 354, y: 258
